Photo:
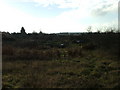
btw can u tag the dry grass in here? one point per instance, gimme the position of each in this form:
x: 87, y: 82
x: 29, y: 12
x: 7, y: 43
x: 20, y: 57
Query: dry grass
x: 95, y: 64
x: 84, y: 72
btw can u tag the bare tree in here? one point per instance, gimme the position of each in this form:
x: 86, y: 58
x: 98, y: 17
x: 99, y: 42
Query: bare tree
x: 89, y: 29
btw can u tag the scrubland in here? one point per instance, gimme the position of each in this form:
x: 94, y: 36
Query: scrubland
x: 40, y: 61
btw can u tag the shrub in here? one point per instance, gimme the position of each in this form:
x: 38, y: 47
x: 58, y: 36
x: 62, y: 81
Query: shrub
x: 8, y: 50
x: 75, y: 52
x: 90, y: 46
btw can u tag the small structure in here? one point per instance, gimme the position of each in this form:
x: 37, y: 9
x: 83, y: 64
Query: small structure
x: 62, y: 45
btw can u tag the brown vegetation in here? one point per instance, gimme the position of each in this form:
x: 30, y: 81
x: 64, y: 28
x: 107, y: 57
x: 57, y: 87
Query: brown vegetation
x: 38, y: 61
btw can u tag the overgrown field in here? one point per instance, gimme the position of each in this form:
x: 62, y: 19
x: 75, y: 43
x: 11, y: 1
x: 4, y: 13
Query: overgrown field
x: 43, y: 63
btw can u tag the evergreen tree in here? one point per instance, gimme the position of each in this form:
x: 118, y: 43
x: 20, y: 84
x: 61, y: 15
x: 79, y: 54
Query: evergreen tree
x: 23, y: 30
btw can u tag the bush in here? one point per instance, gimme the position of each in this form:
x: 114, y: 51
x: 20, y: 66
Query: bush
x: 90, y: 46
x: 75, y: 52
x: 8, y: 50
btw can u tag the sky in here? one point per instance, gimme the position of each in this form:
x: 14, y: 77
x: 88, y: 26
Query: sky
x: 54, y: 16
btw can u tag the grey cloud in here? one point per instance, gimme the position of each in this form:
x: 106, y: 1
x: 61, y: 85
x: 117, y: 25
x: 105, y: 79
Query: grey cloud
x: 103, y: 10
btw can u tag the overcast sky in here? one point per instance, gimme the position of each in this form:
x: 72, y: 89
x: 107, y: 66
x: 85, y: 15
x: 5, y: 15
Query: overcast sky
x: 51, y: 16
